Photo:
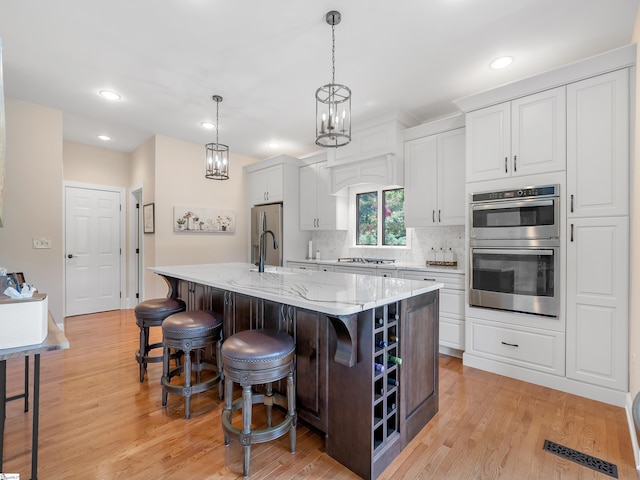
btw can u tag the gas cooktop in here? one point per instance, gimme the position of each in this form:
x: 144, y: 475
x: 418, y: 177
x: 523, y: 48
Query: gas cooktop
x: 366, y: 260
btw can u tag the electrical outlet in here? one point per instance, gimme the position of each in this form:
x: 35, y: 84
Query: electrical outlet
x: 41, y: 242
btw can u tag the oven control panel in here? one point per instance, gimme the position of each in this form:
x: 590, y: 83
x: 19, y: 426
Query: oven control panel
x: 527, y: 192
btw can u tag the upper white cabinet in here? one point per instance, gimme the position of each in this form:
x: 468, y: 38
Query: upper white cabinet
x: 518, y: 138
x: 267, y: 185
x: 598, y: 145
x: 319, y: 210
x: 434, y: 180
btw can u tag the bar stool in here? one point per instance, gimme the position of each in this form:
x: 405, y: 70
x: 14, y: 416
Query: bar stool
x: 187, y: 332
x: 151, y: 313
x: 254, y: 357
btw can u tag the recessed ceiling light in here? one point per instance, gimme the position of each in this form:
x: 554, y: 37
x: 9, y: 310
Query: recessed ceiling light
x: 105, y: 138
x: 274, y: 144
x: 109, y: 95
x: 208, y: 125
x: 501, y: 62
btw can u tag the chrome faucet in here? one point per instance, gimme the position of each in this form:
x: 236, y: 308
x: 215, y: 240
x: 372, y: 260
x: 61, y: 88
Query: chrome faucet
x: 263, y: 248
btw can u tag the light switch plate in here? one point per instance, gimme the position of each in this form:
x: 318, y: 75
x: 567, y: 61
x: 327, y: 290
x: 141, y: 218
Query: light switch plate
x: 41, y: 242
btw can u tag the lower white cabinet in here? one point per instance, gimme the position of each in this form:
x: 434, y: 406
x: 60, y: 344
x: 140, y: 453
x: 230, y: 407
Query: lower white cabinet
x: 597, y: 301
x: 452, y: 321
x: 302, y: 265
x: 535, y: 349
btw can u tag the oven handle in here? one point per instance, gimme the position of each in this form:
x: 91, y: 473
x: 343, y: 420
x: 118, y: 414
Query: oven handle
x: 509, y: 204
x: 512, y: 251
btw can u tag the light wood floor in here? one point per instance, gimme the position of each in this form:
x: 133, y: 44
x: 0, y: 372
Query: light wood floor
x: 99, y: 422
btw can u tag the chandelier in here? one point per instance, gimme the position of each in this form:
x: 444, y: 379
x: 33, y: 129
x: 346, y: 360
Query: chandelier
x: 333, y: 102
x: 217, y: 154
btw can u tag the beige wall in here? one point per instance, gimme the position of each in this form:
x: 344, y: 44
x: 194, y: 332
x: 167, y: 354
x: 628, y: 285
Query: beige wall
x: 143, y: 173
x: 33, y: 198
x: 634, y: 293
x: 179, y: 180
x: 101, y: 166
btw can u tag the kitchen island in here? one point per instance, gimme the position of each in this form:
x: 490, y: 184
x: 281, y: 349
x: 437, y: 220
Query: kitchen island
x: 366, y: 348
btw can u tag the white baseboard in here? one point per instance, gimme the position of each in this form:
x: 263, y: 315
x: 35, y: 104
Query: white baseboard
x: 452, y: 352
x: 594, y: 392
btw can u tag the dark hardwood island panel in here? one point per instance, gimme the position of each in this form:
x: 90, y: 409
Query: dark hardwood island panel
x: 374, y: 414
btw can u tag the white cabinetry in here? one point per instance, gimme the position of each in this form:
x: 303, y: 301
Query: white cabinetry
x: 598, y: 230
x: 302, y: 265
x: 598, y: 145
x: 434, y: 183
x: 452, y: 324
x: 597, y: 301
x: 319, y: 210
x: 523, y: 137
x: 267, y: 185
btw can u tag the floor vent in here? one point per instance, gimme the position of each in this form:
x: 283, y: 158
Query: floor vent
x: 594, y: 463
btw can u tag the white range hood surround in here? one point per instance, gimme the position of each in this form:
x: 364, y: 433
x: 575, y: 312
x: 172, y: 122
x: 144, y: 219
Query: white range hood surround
x: 374, y: 155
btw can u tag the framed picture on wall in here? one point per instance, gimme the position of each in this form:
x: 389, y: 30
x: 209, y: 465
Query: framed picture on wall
x: 148, y: 216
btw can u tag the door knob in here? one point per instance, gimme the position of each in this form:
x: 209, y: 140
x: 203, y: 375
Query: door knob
x: 70, y: 256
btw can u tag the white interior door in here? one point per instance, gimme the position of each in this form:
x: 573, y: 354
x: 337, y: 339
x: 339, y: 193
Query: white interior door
x: 92, y: 239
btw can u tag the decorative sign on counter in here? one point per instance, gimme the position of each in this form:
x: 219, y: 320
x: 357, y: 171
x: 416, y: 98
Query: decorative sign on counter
x: 203, y: 220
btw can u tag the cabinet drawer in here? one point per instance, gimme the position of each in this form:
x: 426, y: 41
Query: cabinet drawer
x: 450, y: 280
x: 452, y: 303
x: 452, y: 332
x: 302, y: 265
x: 538, y: 350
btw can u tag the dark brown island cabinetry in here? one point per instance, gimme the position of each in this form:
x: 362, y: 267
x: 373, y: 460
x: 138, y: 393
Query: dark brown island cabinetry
x: 367, y: 381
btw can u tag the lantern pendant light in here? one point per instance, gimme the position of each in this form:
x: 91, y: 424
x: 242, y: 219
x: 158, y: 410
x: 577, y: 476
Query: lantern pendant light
x: 333, y: 102
x: 217, y: 154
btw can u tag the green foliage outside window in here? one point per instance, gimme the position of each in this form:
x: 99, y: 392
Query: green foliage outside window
x: 394, y: 232
x: 367, y: 218
x: 391, y: 217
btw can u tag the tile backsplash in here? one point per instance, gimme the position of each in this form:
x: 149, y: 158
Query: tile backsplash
x: 336, y: 244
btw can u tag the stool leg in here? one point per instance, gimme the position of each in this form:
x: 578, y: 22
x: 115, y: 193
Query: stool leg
x: 291, y: 402
x: 228, y: 402
x: 268, y: 403
x: 219, y: 366
x: 198, y: 362
x: 187, y: 384
x: 144, y: 343
x: 166, y: 359
x: 247, y: 405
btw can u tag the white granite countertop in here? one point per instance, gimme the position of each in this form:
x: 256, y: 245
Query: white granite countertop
x: 388, y: 266
x: 331, y: 293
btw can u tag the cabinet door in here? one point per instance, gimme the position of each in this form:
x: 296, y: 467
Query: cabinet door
x: 598, y: 145
x: 332, y: 209
x: 421, y: 182
x: 311, y: 367
x: 538, y: 133
x: 308, y: 198
x: 488, y: 141
x: 259, y: 187
x: 451, y: 180
x: 275, y: 183
x: 267, y: 185
x: 597, y: 301
x: 419, y: 349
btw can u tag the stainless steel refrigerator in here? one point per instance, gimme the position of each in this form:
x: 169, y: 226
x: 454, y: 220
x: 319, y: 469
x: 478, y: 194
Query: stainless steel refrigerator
x: 267, y: 217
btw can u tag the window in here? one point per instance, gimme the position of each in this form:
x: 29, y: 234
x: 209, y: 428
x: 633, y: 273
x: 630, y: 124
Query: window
x: 380, y: 223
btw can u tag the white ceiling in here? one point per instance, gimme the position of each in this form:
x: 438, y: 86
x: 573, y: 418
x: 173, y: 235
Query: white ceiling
x: 266, y: 58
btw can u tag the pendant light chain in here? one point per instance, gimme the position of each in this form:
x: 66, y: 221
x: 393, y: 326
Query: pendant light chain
x: 333, y: 53
x: 217, y: 129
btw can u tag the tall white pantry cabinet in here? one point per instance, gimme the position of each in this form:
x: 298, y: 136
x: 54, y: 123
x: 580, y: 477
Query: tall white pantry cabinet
x: 570, y: 126
x: 598, y: 230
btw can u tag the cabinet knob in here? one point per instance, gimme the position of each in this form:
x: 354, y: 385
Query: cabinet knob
x: 70, y: 256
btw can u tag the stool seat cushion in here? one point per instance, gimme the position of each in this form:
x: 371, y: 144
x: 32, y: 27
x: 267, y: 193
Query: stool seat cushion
x: 191, y: 324
x: 159, y: 308
x: 257, y: 349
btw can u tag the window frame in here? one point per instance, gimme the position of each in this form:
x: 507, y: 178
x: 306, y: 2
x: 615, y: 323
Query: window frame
x: 353, y: 217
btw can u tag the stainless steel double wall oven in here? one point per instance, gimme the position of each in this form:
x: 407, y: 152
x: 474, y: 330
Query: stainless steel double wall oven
x: 514, y: 241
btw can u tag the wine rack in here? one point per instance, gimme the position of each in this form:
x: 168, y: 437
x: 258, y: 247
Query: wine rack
x: 386, y: 375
